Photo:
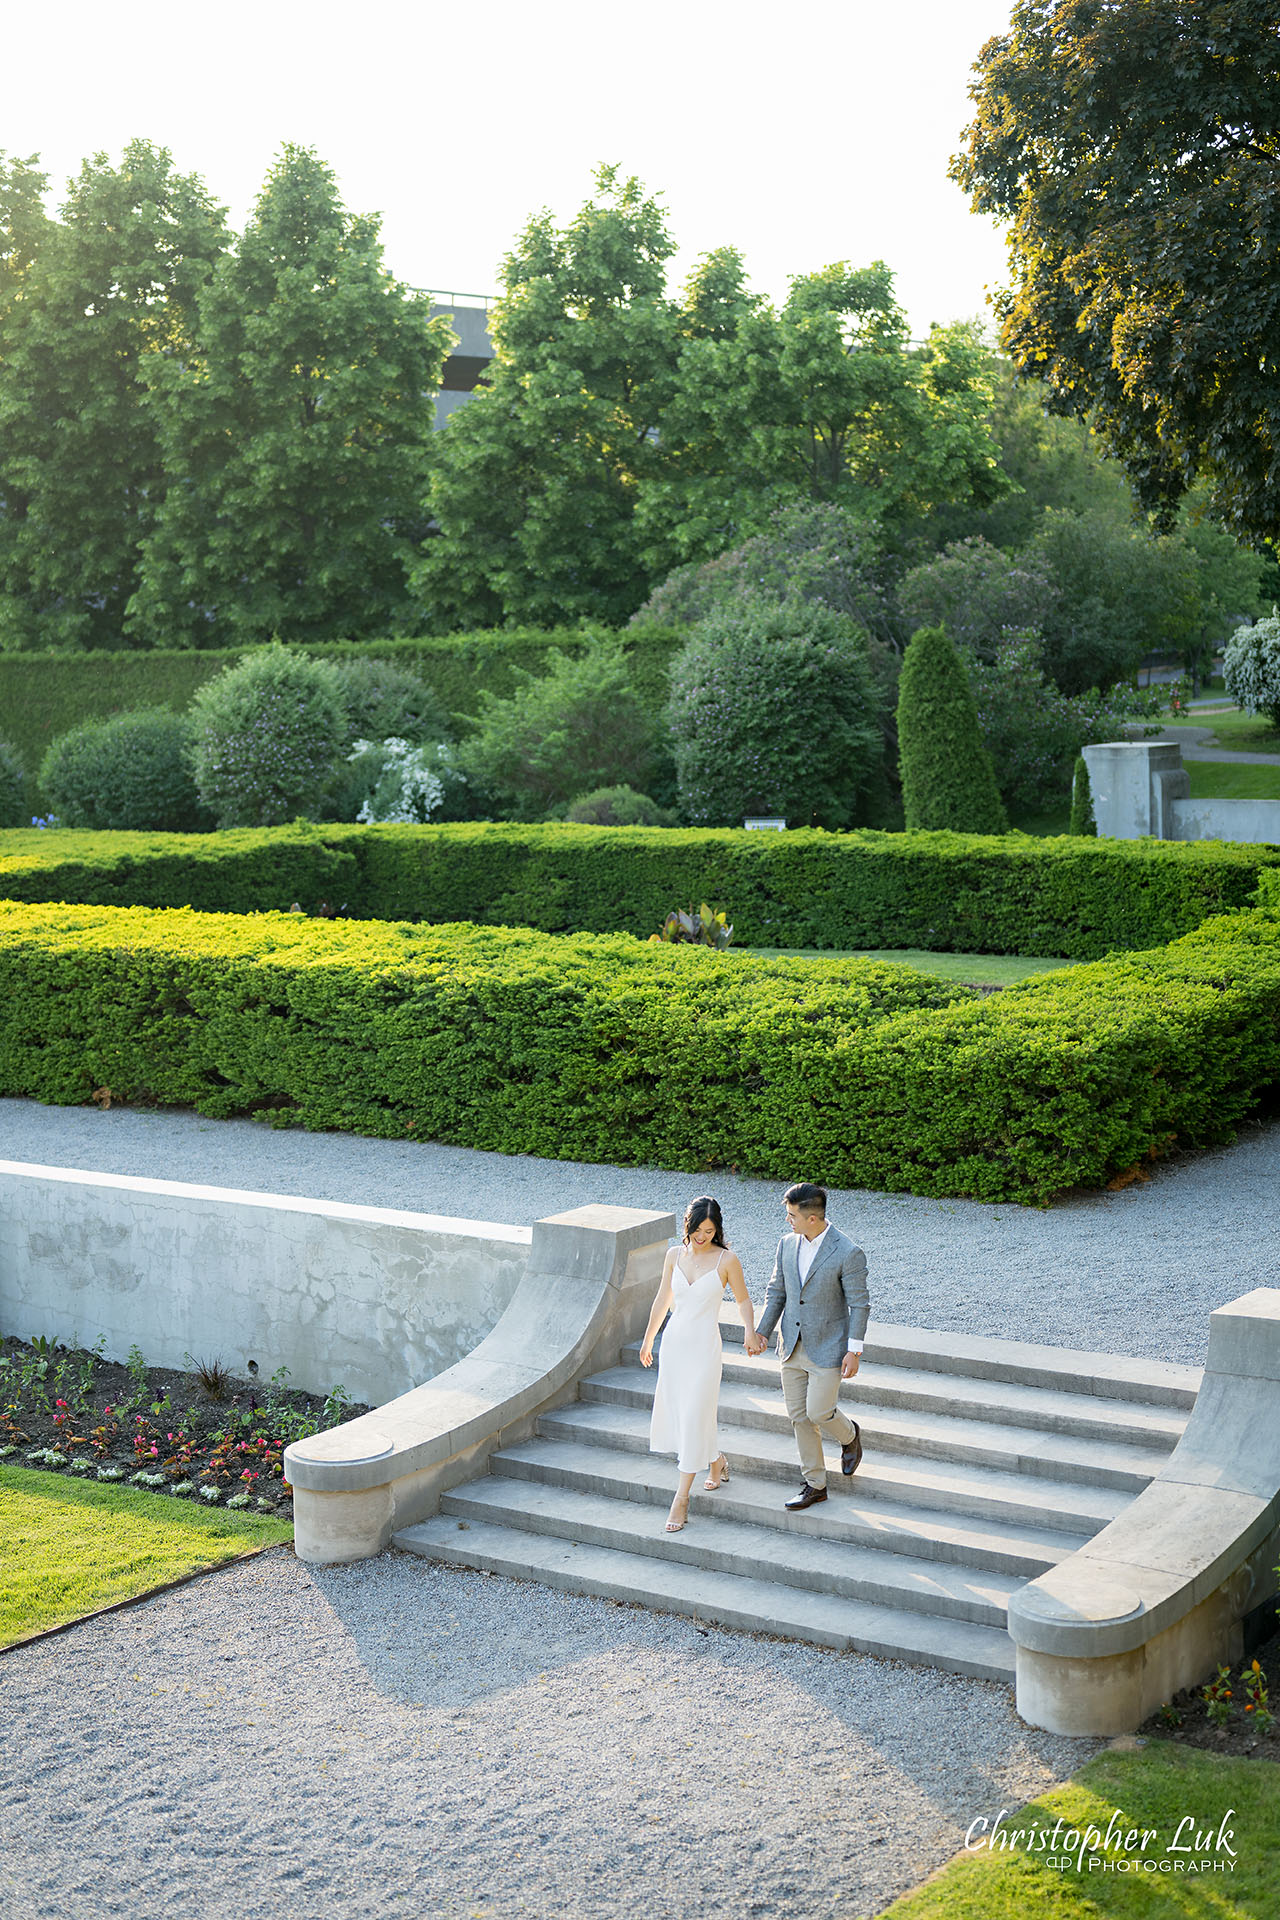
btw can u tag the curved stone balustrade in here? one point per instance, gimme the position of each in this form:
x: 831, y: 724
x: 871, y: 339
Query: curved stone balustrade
x: 586, y: 1291
x: 1164, y: 1594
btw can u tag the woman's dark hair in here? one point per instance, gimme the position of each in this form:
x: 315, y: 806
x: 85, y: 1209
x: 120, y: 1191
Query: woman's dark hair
x: 704, y: 1208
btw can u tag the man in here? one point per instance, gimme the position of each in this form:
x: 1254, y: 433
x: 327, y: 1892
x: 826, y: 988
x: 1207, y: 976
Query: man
x: 819, y: 1290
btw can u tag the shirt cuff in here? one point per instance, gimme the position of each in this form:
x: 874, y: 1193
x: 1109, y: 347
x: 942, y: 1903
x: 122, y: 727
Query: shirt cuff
x: 855, y: 1346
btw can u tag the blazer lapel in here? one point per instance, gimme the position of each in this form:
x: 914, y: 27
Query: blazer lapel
x: 824, y: 1253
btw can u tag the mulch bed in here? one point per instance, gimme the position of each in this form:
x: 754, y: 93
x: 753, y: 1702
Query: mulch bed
x: 1186, y: 1717
x: 199, y: 1435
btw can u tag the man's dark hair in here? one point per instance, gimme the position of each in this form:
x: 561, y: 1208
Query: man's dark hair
x: 807, y: 1197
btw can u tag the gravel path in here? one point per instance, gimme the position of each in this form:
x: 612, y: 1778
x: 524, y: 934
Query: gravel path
x: 402, y: 1738
x: 398, y: 1738
x: 1132, y: 1272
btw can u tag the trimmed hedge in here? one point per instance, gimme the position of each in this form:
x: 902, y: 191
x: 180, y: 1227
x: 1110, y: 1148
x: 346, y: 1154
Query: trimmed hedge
x: 607, y: 1049
x: 42, y: 695
x: 964, y: 893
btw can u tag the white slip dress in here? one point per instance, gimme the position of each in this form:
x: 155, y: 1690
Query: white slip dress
x: 690, y: 1361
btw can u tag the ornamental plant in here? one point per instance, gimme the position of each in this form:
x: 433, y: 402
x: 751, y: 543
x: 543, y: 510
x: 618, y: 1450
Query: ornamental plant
x: 947, y: 777
x: 129, y: 773
x: 267, y: 735
x: 1251, y: 667
x: 774, y: 710
x: 1082, y: 815
x: 401, y: 783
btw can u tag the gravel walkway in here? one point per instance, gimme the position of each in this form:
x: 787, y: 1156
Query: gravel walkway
x: 1132, y: 1272
x: 401, y: 1738
x: 398, y: 1738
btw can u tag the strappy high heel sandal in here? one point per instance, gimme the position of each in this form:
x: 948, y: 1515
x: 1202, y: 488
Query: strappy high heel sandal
x: 678, y: 1526
x: 712, y: 1486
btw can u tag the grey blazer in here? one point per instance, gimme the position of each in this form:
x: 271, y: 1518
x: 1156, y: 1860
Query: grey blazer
x: 829, y: 1310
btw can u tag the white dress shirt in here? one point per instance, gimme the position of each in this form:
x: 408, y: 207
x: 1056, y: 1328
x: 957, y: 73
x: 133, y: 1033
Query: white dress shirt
x: 806, y: 1254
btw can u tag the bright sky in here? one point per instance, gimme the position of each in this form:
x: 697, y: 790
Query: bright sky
x: 801, y: 134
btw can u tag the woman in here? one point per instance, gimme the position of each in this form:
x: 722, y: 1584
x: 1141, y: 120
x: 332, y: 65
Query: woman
x: 694, y: 1278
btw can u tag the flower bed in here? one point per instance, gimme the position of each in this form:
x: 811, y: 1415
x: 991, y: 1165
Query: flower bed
x: 198, y: 1435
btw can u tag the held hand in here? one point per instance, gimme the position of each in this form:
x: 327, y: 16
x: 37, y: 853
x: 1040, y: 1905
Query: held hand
x: 849, y: 1365
x: 646, y: 1354
x: 754, y: 1344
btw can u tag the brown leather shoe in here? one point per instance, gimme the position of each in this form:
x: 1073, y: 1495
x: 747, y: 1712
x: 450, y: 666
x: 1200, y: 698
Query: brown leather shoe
x: 851, y: 1454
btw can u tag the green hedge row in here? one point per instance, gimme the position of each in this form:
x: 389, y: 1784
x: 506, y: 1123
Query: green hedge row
x: 43, y: 694
x: 607, y: 1049
x: 941, y: 891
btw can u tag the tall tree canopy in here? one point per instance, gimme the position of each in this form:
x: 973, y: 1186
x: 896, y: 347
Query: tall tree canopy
x: 294, y: 432
x: 86, y: 301
x: 623, y: 431
x: 1135, y: 146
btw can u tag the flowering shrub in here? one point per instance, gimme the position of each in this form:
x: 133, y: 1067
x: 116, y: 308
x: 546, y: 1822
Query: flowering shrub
x: 402, y: 783
x: 267, y: 737
x: 1251, y: 668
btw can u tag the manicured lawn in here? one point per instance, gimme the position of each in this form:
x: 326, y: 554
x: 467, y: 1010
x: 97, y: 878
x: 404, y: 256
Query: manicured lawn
x: 68, y: 1547
x: 1225, y: 780
x: 975, y: 969
x: 1153, y: 1790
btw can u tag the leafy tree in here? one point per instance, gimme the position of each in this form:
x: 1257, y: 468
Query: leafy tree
x: 1122, y: 593
x: 621, y: 432
x: 1134, y: 148
x: 774, y: 710
x: 577, y: 726
x: 533, y: 483
x: 266, y: 737
x: 1031, y: 729
x: 810, y: 550
x: 980, y: 595
x: 294, y: 432
x: 131, y: 773
x: 947, y: 778
x: 87, y: 303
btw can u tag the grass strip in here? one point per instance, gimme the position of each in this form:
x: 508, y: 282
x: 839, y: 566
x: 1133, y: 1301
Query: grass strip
x: 1230, y: 780
x: 973, y: 969
x: 73, y: 1546
x: 1194, y: 1808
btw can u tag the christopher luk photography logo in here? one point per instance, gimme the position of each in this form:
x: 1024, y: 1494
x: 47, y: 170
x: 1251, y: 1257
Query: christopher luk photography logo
x: 1121, y: 1847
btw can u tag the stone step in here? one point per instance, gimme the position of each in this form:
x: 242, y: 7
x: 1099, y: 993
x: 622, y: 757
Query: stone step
x: 719, y: 1542
x: 928, y: 1436
x: 1022, y: 1551
x: 1110, y: 1376
x: 720, y: 1599
x: 941, y: 1484
x: 1000, y: 1403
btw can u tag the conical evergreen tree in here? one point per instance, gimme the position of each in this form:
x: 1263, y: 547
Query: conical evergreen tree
x: 947, y: 778
x: 1082, y: 819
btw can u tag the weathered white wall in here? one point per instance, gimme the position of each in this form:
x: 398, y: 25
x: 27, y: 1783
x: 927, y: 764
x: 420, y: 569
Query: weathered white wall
x: 1256, y: 821
x: 367, y: 1298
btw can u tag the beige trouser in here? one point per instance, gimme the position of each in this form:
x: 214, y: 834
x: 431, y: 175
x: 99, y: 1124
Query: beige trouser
x: 811, y: 1393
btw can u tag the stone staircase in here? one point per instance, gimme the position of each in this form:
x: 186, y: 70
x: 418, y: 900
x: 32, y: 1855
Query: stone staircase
x: 985, y: 1463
